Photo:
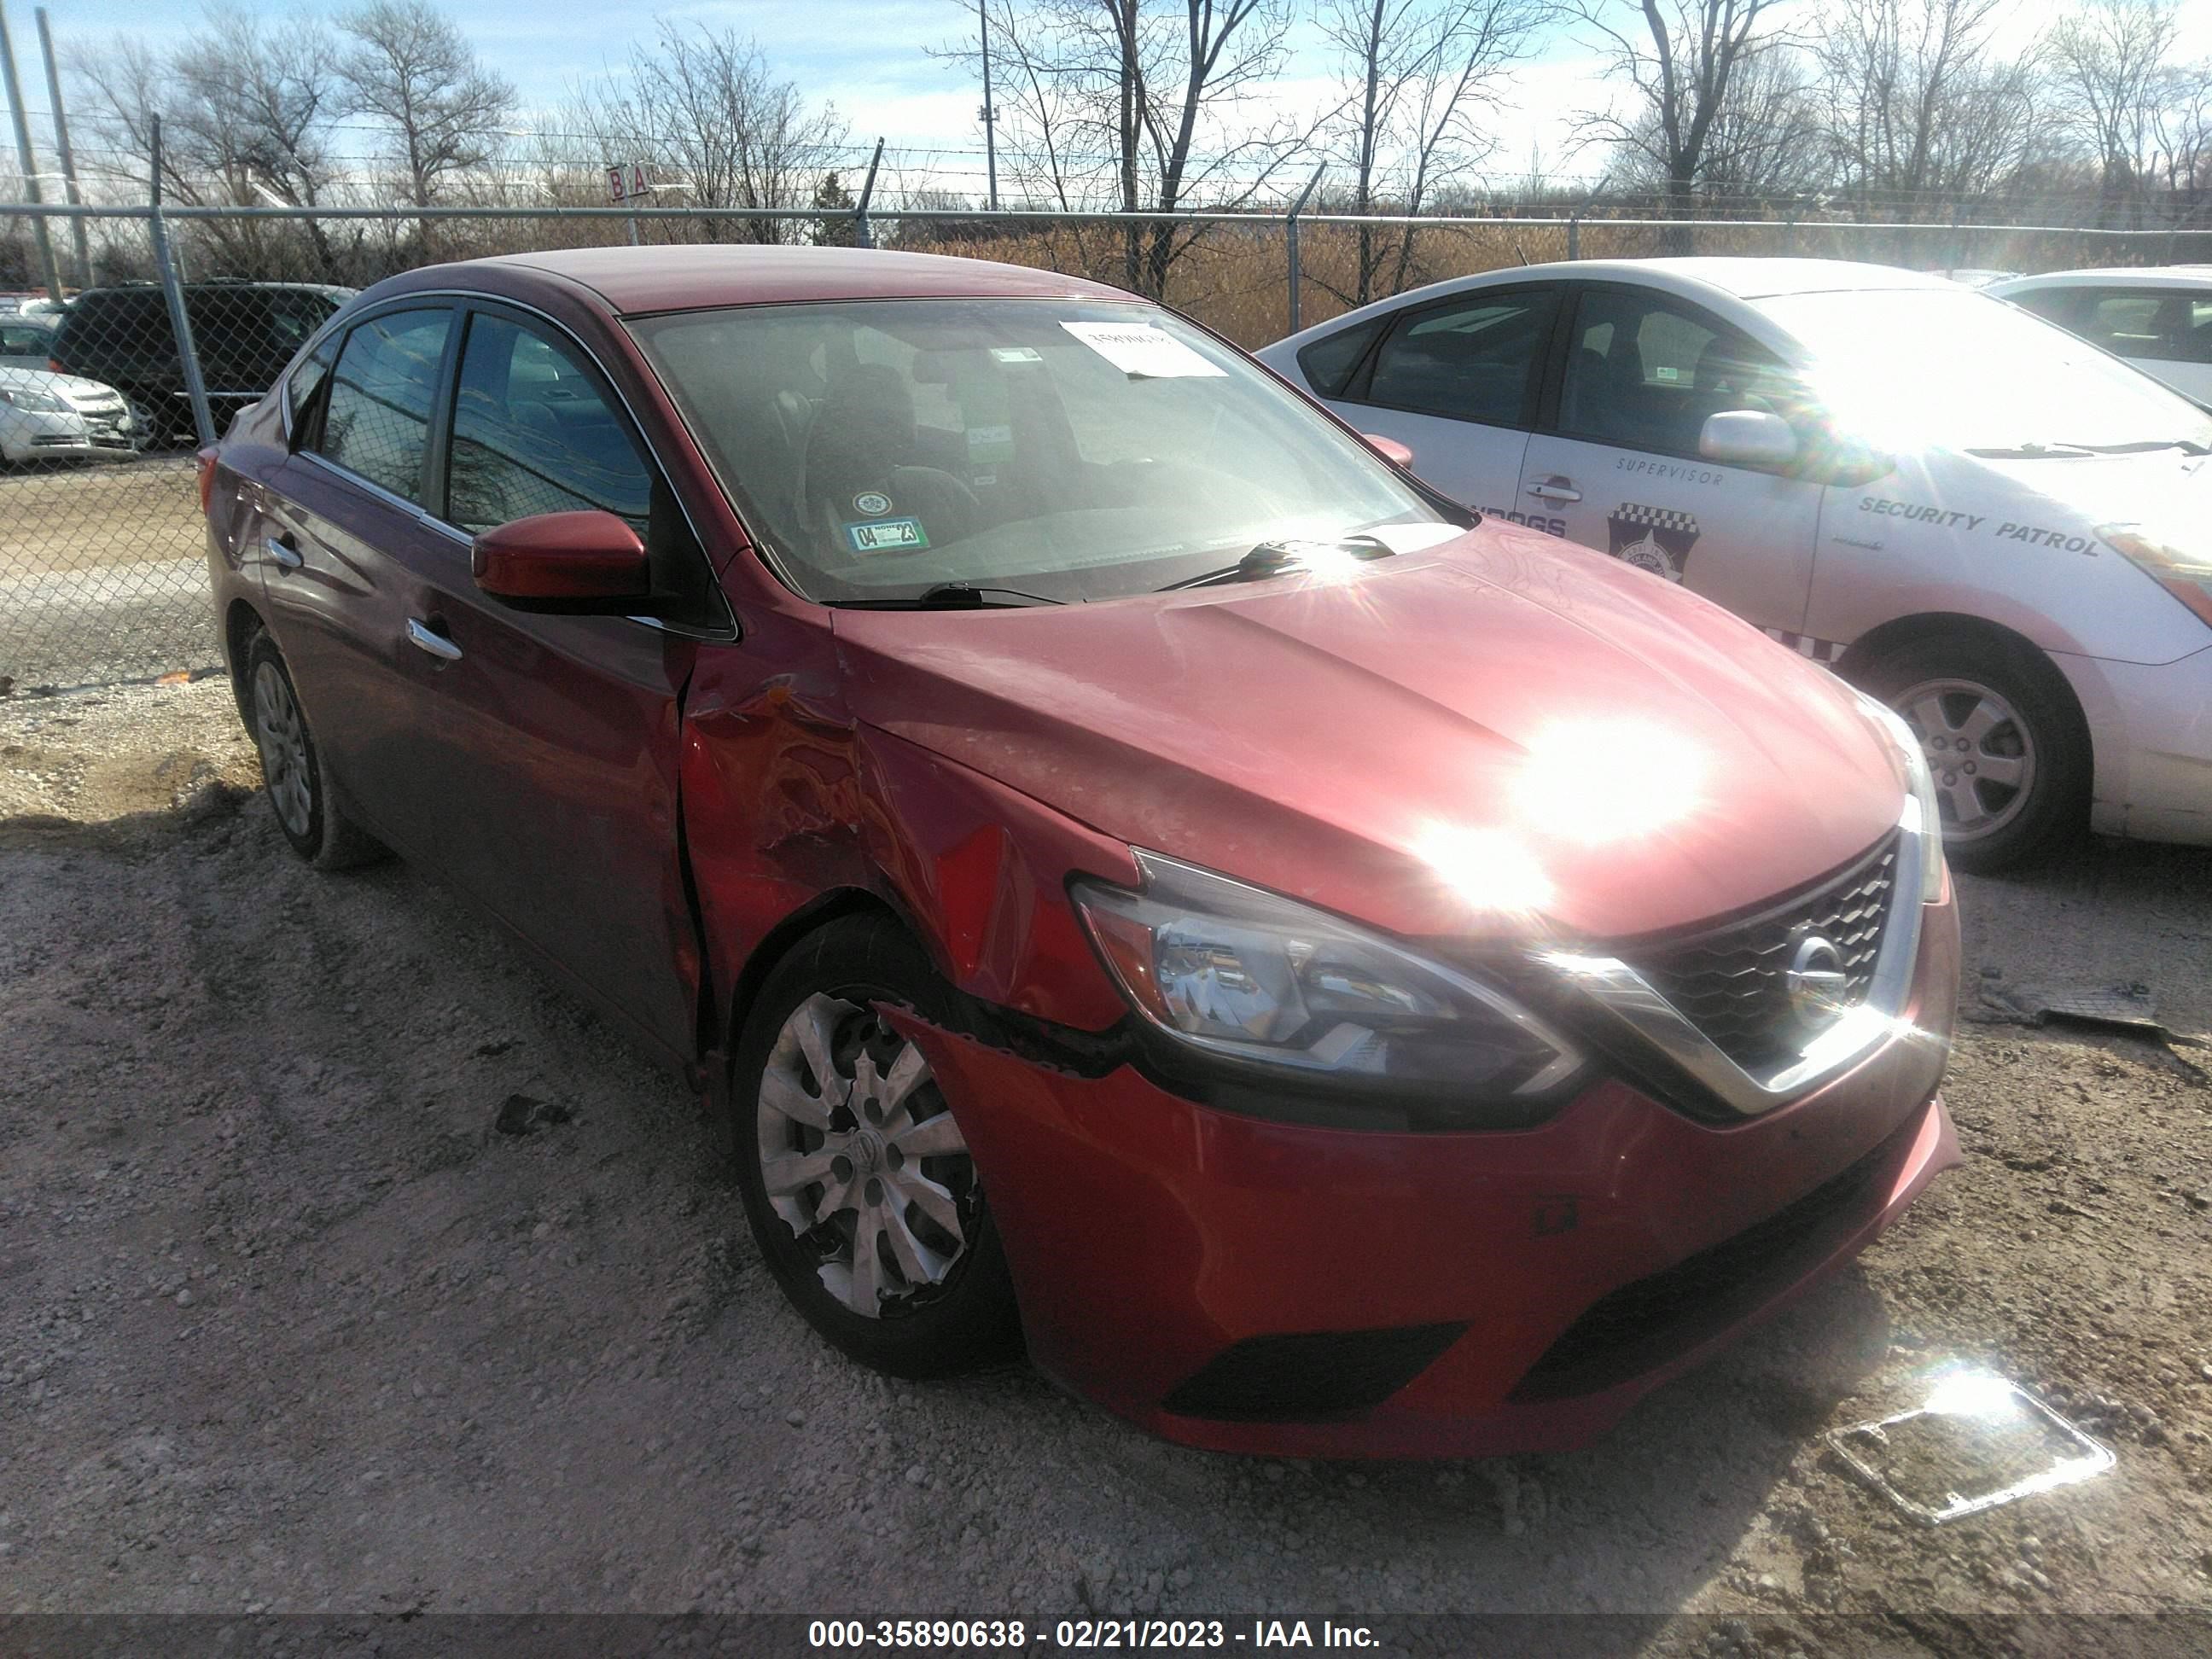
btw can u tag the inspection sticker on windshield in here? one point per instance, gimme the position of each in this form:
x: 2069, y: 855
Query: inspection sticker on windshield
x: 1017, y: 355
x: 1143, y: 352
x: 887, y: 536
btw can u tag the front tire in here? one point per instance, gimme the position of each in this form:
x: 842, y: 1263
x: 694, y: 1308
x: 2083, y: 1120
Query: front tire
x: 858, y: 1182
x: 2010, y: 755
x: 300, y: 793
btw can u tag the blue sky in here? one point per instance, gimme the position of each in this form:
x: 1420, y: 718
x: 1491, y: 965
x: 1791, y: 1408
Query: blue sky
x: 869, y: 57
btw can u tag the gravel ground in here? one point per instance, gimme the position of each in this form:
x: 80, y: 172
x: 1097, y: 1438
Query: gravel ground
x: 291, y: 1326
x: 103, y: 573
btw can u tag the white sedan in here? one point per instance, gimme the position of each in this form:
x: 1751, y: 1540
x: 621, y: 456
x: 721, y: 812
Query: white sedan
x: 2159, y: 319
x: 46, y: 417
x: 1997, y: 528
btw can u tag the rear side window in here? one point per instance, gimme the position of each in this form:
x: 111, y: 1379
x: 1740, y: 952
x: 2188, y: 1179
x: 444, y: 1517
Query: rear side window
x: 378, y: 420
x: 1328, y: 363
x: 532, y: 433
x: 121, y: 322
x: 1474, y: 358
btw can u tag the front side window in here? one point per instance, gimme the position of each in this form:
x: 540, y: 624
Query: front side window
x: 1474, y: 360
x: 532, y: 433
x: 1072, y: 450
x: 377, y: 423
x: 1644, y: 371
x: 1902, y: 367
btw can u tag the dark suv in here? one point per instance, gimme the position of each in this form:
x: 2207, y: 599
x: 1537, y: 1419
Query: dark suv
x: 245, y: 333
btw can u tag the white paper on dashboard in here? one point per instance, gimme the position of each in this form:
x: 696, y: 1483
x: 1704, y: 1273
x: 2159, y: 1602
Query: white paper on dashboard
x: 1143, y: 351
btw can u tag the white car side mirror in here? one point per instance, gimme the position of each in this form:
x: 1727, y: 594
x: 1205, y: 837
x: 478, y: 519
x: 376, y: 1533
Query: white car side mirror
x: 1747, y: 437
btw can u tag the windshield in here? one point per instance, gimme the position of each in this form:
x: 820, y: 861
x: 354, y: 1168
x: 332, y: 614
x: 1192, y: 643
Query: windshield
x: 1905, y: 368
x: 1071, y: 451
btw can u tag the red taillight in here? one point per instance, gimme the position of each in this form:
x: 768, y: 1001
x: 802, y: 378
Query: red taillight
x: 206, y: 459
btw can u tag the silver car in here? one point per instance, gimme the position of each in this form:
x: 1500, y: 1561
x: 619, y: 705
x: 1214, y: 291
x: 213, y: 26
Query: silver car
x: 44, y: 416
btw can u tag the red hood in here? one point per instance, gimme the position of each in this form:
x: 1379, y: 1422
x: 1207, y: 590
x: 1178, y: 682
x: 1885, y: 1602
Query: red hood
x: 1346, y: 741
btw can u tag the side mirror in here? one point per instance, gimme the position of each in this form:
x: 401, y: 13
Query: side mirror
x: 1747, y: 437
x: 1390, y: 450
x: 588, y: 561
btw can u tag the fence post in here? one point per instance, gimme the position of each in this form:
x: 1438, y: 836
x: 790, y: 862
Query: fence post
x: 1575, y: 235
x: 861, y: 234
x: 171, y: 290
x: 1295, y: 275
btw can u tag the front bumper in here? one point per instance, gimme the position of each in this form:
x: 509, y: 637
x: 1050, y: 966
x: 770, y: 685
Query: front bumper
x: 34, y: 435
x: 2151, y: 727
x: 1166, y: 1252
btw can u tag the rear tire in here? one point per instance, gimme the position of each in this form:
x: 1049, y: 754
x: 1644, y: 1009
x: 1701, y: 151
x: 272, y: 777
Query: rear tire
x: 857, y: 1181
x: 300, y: 791
x: 2009, y: 752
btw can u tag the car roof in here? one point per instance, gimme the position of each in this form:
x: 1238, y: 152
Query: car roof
x: 1749, y: 278
x: 2123, y: 277
x: 632, y: 281
x: 1700, y: 277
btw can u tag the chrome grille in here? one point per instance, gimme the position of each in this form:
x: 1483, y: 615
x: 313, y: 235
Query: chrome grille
x: 1728, y: 982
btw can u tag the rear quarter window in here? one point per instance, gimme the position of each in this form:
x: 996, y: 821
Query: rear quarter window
x: 1329, y: 362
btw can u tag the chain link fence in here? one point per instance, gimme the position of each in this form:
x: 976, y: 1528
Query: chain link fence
x: 102, y: 562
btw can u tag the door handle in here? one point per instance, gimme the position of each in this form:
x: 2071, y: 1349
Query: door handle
x: 284, y: 552
x: 424, y: 637
x: 1555, y: 490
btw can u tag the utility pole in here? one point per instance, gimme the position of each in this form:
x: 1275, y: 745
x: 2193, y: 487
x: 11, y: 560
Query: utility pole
x: 29, y: 163
x: 61, y: 150
x: 990, y: 115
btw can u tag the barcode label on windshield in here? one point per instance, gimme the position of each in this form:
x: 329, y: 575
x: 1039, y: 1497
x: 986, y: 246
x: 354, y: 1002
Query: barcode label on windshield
x: 887, y: 536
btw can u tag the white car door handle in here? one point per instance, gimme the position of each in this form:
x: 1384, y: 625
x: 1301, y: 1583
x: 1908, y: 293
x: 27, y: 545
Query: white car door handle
x: 1555, y: 490
x: 284, y: 552
x: 424, y: 637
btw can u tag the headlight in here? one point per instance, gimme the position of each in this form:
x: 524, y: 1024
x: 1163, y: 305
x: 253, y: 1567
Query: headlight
x: 2187, y: 576
x: 37, y: 403
x: 1246, y: 977
x: 1922, y: 784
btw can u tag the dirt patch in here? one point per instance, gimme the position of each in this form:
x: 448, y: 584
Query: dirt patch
x: 293, y: 1325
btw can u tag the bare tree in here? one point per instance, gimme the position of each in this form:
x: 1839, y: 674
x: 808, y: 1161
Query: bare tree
x: 1917, y: 109
x: 704, y: 110
x: 1681, y: 59
x: 2115, y: 63
x: 246, y: 114
x: 1139, y: 103
x: 1419, y: 76
x: 411, y: 69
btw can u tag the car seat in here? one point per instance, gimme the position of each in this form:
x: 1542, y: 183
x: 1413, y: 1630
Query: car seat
x: 862, y: 443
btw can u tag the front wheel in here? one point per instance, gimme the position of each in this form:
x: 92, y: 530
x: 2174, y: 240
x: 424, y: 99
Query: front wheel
x: 2010, y: 758
x: 858, y: 1182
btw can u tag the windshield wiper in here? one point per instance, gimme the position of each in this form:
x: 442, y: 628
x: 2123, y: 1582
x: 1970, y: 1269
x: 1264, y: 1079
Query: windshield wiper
x: 2068, y: 446
x: 1272, y: 558
x: 952, y: 596
x: 2144, y: 446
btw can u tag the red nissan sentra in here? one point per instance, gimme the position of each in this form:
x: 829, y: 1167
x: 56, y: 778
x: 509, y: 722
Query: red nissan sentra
x: 1136, y: 873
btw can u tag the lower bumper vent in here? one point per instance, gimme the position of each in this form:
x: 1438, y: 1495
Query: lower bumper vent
x: 1311, y: 1378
